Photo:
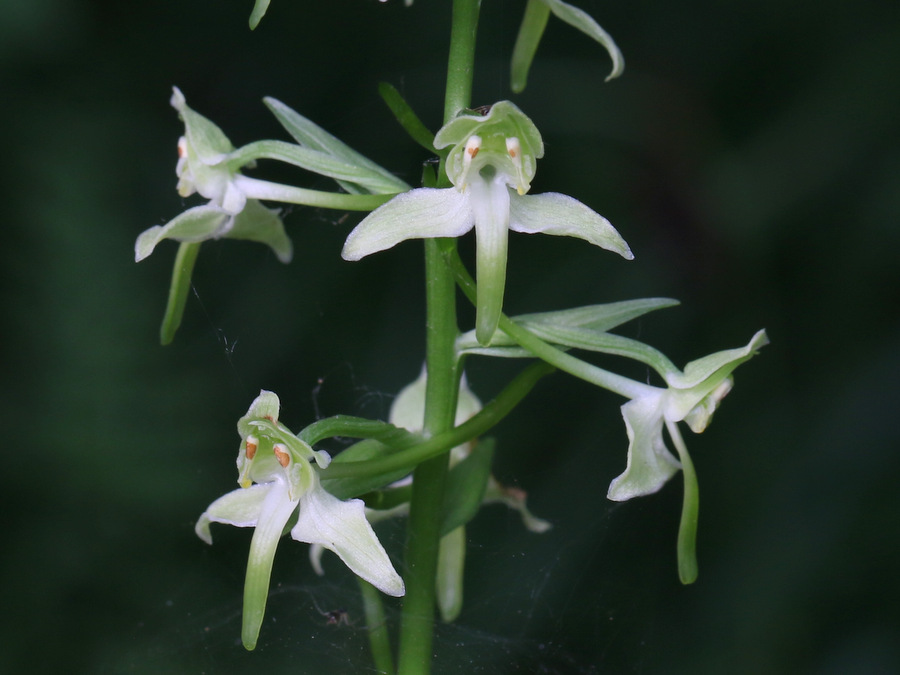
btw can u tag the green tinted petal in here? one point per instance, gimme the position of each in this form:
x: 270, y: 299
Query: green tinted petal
x: 204, y: 137
x: 557, y: 214
x: 720, y: 363
x: 342, y: 527
x: 650, y: 464
x: 240, y: 508
x: 197, y: 224
x: 264, y: 225
x: 421, y: 213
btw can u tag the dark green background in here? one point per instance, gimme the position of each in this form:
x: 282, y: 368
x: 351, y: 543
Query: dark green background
x: 750, y: 157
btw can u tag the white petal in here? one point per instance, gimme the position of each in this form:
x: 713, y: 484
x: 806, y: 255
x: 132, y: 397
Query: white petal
x: 417, y: 214
x: 650, y: 464
x: 342, y: 527
x: 196, y: 224
x: 558, y: 214
x: 239, y: 508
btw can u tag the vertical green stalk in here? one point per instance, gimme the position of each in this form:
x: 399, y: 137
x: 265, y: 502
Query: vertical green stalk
x: 423, y: 538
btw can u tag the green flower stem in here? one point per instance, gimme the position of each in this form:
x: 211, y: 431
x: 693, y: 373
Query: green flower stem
x: 276, y: 192
x: 348, y: 426
x: 438, y: 445
x: 461, y: 64
x: 687, y: 530
x: 442, y: 389
x: 523, y: 337
x: 429, y: 477
x: 178, y: 290
x: 376, y: 624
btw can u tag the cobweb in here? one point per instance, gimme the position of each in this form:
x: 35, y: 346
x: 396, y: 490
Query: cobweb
x: 532, y: 605
x: 552, y: 603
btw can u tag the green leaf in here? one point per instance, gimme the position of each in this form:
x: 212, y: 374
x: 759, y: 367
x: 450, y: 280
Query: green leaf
x: 407, y: 117
x: 261, y: 224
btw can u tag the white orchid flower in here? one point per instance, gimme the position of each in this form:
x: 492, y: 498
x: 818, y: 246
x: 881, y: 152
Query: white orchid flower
x: 277, y: 478
x: 491, y: 164
x: 207, y: 166
x: 692, y: 396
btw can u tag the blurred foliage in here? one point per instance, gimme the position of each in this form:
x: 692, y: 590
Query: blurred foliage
x: 746, y: 155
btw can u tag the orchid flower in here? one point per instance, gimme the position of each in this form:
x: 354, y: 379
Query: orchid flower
x: 692, y: 396
x: 491, y: 163
x: 206, y: 166
x: 278, y: 478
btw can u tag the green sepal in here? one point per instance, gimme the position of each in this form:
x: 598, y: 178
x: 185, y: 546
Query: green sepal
x: 406, y: 116
x: 466, y: 485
